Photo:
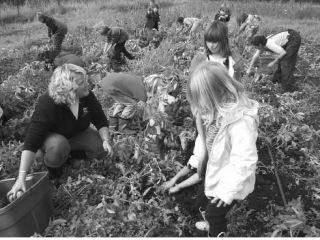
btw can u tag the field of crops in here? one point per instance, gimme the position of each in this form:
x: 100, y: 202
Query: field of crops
x: 120, y: 197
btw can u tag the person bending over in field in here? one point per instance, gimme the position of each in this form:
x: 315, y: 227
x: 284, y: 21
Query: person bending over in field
x: 56, y: 31
x: 131, y: 94
x: 189, y: 25
x: 116, y: 37
x: 61, y: 124
x: 285, y: 45
x: 248, y: 25
x: 128, y: 91
x: 224, y: 14
x: 228, y: 137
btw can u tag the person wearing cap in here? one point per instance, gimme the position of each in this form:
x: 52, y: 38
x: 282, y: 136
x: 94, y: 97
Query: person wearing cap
x: 61, y: 124
x: 116, y: 37
x: 56, y: 31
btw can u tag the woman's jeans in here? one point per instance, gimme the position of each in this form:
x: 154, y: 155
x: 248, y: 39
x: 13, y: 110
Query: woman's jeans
x: 56, y: 148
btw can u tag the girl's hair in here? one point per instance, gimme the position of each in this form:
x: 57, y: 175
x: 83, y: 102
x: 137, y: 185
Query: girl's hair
x: 105, y: 31
x: 217, y: 32
x: 62, y: 82
x: 180, y: 20
x: 211, y: 91
x: 224, y: 7
x: 258, y: 40
x: 241, y: 18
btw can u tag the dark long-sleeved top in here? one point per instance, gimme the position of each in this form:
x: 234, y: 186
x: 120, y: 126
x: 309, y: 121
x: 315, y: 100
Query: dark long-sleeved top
x: 117, y: 35
x: 50, y: 117
x: 152, y: 20
x: 54, y: 26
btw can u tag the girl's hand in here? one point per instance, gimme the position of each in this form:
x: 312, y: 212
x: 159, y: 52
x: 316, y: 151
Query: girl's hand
x: 219, y: 202
x: 17, y: 190
x: 270, y: 65
x: 107, y: 147
x: 249, y: 71
x: 168, y: 184
x: 174, y: 189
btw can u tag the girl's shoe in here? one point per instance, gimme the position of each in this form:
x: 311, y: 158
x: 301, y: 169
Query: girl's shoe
x: 202, y: 226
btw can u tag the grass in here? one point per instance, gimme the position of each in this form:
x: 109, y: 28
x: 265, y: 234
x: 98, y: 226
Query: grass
x: 17, y: 30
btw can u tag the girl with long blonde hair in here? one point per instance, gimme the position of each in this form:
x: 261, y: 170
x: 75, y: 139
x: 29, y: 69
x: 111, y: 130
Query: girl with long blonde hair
x: 227, y: 122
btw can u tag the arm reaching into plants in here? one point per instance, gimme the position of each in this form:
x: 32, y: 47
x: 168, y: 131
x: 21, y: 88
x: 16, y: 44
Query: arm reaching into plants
x: 184, y: 171
x: 253, y: 61
x: 194, y: 179
x: 203, y: 157
x: 27, y: 159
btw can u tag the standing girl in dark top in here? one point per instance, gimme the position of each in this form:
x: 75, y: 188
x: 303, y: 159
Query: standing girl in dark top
x: 152, y: 20
x: 61, y: 123
x: 116, y: 37
x: 56, y: 31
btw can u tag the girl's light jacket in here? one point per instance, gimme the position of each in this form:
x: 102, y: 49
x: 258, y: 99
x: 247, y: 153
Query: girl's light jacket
x: 230, y: 173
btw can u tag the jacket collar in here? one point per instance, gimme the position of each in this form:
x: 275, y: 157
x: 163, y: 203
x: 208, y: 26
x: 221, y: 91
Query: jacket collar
x: 233, y: 116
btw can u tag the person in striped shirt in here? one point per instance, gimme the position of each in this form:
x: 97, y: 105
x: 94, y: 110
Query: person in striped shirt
x: 249, y: 25
x: 189, y: 25
x: 227, y: 123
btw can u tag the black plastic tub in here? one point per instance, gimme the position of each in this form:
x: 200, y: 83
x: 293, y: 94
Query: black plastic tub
x: 31, y: 212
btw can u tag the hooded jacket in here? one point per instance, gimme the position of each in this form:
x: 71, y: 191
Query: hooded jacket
x: 230, y: 173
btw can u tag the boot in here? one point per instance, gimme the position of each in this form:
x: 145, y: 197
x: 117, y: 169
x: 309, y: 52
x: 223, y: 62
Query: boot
x: 113, y: 123
x: 55, y: 173
x: 123, y: 126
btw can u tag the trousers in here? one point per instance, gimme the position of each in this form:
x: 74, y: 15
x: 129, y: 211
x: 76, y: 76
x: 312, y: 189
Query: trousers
x: 56, y: 148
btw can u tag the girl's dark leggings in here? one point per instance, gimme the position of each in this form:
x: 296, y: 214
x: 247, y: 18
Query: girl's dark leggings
x: 216, y: 216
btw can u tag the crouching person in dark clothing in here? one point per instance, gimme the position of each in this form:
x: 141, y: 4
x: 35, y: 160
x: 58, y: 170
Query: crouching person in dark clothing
x: 63, y: 57
x: 61, y: 123
x: 116, y: 37
x: 286, y: 46
x: 56, y: 31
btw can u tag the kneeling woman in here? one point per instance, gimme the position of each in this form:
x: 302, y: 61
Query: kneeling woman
x: 61, y: 123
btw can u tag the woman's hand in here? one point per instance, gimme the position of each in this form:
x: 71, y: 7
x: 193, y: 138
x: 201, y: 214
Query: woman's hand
x: 108, y: 148
x: 219, y: 202
x: 17, y: 190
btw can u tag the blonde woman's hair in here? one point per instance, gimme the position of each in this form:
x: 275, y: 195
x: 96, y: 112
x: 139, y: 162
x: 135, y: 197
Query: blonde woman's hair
x: 61, y: 86
x: 212, y: 92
